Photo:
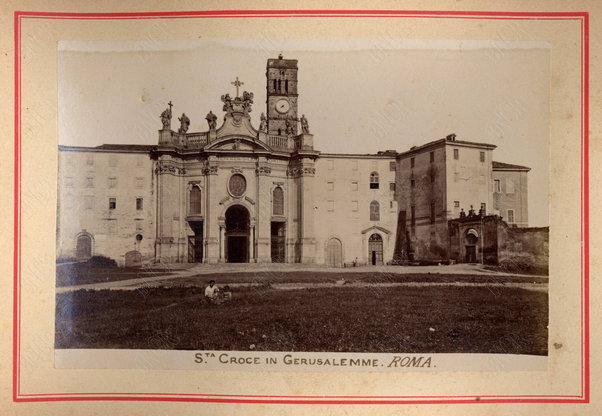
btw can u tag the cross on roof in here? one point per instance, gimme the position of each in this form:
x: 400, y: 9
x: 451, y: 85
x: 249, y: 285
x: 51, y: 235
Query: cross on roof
x: 237, y: 84
x: 170, y: 105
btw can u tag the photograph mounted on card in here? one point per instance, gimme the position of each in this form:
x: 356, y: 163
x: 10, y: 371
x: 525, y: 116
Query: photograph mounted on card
x: 303, y: 204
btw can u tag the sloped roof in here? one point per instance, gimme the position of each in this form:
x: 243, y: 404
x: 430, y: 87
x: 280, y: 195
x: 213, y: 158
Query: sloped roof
x: 508, y: 166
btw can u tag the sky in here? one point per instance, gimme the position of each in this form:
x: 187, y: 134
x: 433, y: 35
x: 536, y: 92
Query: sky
x: 359, y: 95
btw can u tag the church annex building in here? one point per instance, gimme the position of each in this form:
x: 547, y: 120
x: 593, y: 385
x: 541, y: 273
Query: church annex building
x: 260, y: 194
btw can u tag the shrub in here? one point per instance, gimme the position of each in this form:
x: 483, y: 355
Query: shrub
x: 101, y: 261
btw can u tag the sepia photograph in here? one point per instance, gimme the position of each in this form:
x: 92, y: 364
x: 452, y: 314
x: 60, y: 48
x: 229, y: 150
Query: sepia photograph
x: 303, y: 195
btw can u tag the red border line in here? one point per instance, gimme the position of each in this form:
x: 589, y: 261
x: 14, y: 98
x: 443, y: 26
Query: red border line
x: 169, y: 397
x: 17, y: 211
x: 585, y: 210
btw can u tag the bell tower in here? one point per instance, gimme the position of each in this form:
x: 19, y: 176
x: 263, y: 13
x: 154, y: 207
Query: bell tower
x: 282, y: 96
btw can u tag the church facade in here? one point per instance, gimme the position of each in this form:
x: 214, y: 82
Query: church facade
x: 240, y: 193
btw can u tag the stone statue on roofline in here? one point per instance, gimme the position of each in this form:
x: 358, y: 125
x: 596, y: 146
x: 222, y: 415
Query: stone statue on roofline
x: 289, y: 128
x: 184, y: 123
x: 263, y: 123
x: 166, y: 117
x: 304, y: 125
x: 227, y: 100
x: 211, y: 120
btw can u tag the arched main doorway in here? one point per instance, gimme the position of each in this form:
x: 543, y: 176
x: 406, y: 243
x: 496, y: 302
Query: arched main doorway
x: 334, y: 253
x: 375, y: 249
x: 83, y: 247
x: 237, y: 234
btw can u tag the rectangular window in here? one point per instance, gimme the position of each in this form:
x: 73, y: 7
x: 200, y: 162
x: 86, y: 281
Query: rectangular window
x: 432, y: 213
x: 392, y: 187
x: 354, y: 186
x: 330, y: 186
x: 432, y: 176
x: 392, y: 166
x: 113, y: 161
x: 89, y: 182
x: 413, y: 217
x: 88, y: 202
x: 330, y: 205
x: 413, y: 183
x: 482, y: 156
x: 456, y: 204
x: 112, y: 203
x: 139, y: 204
x: 497, y: 187
x: 510, y: 216
x: 509, y: 186
x: 456, y: 154
x: 139, y: 182
x: 354, y: 206
x: 112, y: 182
x: 139, y: 225
x: 432, y: 156
x: 483, y: 208
x: 412, y: 162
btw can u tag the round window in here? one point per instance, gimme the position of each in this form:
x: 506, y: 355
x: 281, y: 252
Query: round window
x: 237, y: 185
x: 139, y: 237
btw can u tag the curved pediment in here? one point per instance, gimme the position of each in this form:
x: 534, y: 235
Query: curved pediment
x: 237, y: 143
x: 236, y: 123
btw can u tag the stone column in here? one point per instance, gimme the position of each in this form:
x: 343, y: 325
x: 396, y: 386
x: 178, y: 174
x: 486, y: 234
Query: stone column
x: 306, y: 198
x: 251, y: 243
x: 212, y: 238
x: 263, y: 211
x: 222, y: 243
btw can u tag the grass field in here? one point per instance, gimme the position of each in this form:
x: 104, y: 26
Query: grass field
x: 353, y: 277
x: 392, y: 319
x: 82, y: 273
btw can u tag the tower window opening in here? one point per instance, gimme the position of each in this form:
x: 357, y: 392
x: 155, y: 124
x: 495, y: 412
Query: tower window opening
x: 286, y: 85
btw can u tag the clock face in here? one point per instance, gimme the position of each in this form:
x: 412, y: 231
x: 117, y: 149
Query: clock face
x: 282, y: 106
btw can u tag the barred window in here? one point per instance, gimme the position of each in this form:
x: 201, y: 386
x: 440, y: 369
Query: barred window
x: 278, y: 201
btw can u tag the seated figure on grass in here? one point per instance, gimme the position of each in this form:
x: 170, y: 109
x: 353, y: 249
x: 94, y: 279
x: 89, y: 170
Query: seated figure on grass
x: 211, y: 291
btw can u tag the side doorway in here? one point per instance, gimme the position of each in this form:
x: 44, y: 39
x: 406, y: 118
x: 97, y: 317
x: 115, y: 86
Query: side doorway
x: 375, y: 250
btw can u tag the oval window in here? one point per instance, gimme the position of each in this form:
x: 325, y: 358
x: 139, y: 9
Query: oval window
x: 237, y: 185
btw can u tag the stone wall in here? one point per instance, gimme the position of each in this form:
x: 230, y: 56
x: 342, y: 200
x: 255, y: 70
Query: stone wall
x: 528, y: 243
x: 98, y: 190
